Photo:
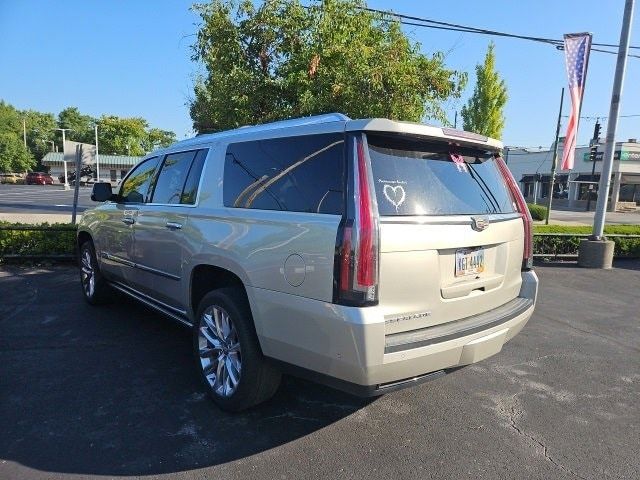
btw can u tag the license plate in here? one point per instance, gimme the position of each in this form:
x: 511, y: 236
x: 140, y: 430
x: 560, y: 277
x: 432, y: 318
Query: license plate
x: 469, y: 261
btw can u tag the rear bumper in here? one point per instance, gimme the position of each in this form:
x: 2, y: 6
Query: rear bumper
x: 346, y: 347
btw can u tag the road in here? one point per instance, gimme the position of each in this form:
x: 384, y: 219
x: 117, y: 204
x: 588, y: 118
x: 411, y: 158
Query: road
x: 112, y: 391
x: 41, y: 199
x: 586, y: 218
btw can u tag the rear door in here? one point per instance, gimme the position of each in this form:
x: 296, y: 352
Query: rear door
x: 451, y: 240
x: 160, y: 226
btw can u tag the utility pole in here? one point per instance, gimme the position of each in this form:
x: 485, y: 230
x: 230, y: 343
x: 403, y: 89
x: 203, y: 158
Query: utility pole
x: 24, y: 131
x: 593, y: 154
x: 554, y: 161
x: 64, y: 162
x: 97, y: 158
x: 76, y: 186
x: 596, y: 252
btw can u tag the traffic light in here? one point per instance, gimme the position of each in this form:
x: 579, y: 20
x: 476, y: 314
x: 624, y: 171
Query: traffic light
x: 596, y: 132
x: 592, y: 153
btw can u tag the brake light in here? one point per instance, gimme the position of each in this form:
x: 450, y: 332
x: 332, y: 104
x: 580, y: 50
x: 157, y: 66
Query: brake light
x: 367, y: 256
x: 521, y: 207
x: 356, y: 265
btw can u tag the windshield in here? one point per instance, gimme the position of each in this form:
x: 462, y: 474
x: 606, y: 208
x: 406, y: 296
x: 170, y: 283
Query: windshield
x: 417, y: 177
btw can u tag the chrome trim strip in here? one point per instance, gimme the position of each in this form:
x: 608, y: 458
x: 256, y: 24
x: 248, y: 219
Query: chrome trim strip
x: 117, y: 259
x: 162, y: 273
x: 179, y: 315
x: 446, y: 220
x: 139, y: 266
x: 422, y: 337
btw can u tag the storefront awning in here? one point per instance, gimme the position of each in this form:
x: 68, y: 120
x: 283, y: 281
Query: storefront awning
x: 543, y: 178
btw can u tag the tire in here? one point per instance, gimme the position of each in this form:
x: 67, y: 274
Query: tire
x: 95, y: 289
x: 228, y: 356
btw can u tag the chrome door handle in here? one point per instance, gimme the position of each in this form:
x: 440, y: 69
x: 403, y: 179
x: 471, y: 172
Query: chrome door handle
x: 173, y: 225
x: 128, y: 220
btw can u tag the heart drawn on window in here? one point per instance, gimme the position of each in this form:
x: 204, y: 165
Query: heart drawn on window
x: 395, y: 195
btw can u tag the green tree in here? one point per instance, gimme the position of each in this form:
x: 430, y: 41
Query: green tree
x: 122, y: 136
x: 484, y: 112
x: 41, y: 130
x: 39, y: 127
x: 157, y: 138
x: 282, y: 59
x: 130, y: 136
x: 10, y: 119
x: 81, y: 125
x: 14, y: 156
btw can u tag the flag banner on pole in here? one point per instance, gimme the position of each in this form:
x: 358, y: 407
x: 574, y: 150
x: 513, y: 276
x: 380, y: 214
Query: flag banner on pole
x: 576, y: 50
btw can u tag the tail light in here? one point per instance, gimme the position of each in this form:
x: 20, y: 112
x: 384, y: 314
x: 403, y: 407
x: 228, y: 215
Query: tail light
x: 521, y: 207
x: 357, y: 255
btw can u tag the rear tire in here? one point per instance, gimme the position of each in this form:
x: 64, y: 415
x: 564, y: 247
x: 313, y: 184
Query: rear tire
x: 228, y: 355
x: 95, y: 289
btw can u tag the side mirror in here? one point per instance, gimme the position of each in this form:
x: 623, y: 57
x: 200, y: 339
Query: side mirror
x: 101, y: 192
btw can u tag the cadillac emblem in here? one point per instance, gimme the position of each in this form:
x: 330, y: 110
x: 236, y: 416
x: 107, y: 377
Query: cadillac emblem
x: 479, y: 223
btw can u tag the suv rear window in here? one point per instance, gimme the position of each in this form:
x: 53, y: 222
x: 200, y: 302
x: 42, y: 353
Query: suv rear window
x: 418, y: 177
x: 296, y: 174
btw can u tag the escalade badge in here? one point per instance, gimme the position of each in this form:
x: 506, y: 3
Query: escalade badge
x: 479, y: 223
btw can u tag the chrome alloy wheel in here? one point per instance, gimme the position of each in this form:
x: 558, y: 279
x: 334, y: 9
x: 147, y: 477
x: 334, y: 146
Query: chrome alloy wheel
x: 88, y: 274
x: 219, y: 351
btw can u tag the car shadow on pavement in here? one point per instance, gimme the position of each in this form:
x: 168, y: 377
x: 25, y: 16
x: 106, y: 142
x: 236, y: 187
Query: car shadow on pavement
x: 113, y: 390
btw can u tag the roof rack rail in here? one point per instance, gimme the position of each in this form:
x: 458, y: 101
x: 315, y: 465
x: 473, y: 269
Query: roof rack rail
x: 292, y: 122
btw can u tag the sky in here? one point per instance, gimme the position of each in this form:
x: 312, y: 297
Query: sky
x: 132, y: 58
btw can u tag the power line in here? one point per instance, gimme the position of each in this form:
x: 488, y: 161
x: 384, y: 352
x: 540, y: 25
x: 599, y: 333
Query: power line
x: 455, y: 27
x: 602, y: 117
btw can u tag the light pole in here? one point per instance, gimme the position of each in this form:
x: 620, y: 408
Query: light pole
x: 64, y: 162
x: 596, y: 252
x: 24, y: 131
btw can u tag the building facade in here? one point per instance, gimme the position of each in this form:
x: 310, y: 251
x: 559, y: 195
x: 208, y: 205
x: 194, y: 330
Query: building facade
x: 113, y: 168
x: 578, y: 187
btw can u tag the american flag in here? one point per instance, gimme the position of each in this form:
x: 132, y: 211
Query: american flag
x: 576, y: 47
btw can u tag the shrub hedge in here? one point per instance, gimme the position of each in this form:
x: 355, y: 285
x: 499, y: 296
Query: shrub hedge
x: 625, y: 247
x: 538, y: 212
x: 586, y: 229
x: 44, y: 240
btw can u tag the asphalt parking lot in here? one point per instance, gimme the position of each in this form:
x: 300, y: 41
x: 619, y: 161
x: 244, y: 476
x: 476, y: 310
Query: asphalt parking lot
x: 112, y: 392
x: 42, y: 199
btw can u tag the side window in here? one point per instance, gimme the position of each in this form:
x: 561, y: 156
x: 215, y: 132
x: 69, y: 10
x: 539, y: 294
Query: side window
x: 134, y: 188
x: 298, y: 174
x: 173, y: 174
x: 190, y: 190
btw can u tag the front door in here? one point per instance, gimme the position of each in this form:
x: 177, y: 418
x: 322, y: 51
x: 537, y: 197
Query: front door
x: 115, y: 240
x: 118, y: 227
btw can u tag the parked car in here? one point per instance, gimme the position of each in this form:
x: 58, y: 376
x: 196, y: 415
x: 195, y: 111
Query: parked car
x: 39, y: 178
x: 369, y: 255
x: 13, y: 178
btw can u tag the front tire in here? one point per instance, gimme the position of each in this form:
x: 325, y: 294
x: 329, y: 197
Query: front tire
x: 95, y: 289
x: 230, y: 362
